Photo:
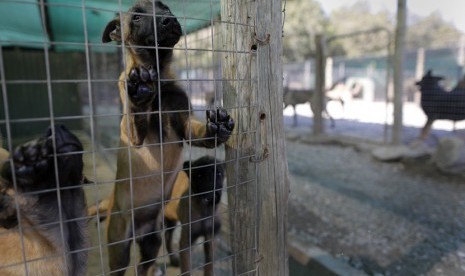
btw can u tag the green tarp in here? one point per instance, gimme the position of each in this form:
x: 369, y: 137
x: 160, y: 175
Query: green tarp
x: 67, y: 23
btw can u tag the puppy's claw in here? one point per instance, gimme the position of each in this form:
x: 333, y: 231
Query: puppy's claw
x: 230, y: 124
x: 24, y: 170
x: 211, y: 116
x: 153, y: 74
x: 42, y: 165
x: 18, y: 156
x: 222, y: 114
x: 144, y: 75
x: 133, y: 76
x: 31, y: 153
x: 212, y: 128
x: 223, y: 131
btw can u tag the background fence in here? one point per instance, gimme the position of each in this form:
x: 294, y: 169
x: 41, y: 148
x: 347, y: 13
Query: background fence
x: 367, y: 90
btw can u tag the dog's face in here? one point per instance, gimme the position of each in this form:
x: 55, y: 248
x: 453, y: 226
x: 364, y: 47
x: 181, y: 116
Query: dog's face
x: 138, y: 28
x: 429, y: 80
x: 206, y: 180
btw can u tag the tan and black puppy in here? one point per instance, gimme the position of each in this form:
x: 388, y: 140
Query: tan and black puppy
x: 156, y: 121
x: 197, y: 212
x: 31, y: 234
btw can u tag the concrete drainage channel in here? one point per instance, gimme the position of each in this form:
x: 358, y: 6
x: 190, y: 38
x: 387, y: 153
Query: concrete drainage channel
x: 306, y: 260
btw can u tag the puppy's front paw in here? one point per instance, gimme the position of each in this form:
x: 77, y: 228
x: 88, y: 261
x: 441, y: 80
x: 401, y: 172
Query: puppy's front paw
x: 31, y: 160
x: 141, y: 88
x: 219, y: 123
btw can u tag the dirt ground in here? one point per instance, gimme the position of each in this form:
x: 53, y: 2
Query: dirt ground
x: 401, y: 218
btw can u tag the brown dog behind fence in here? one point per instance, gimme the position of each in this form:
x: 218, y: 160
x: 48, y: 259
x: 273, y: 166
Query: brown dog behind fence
x: 156, y: 122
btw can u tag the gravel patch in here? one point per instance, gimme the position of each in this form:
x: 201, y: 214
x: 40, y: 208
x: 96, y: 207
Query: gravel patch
x: 397, y: 218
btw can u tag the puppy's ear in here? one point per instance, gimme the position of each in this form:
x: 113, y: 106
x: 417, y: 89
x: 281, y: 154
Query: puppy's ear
x: 112, y: 31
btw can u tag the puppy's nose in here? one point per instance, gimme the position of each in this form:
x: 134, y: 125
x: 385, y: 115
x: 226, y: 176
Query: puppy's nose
x: 167, y: 21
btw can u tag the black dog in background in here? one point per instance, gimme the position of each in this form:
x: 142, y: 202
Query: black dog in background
x: 197, y: 212
x: 438, y: 103
x: 49, y: 247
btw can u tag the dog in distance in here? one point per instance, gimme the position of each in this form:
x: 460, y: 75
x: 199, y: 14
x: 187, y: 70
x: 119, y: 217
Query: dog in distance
x: 438, y: 103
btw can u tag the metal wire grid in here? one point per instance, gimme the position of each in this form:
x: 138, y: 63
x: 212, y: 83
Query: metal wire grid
x: 95, y: 147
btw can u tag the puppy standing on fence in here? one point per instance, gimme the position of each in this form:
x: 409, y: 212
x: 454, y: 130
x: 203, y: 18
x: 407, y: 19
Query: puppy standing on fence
x: 156, y: 120
x: 41, y: 240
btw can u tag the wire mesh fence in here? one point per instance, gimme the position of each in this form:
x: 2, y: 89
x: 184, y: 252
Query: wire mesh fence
x: 116, y: 160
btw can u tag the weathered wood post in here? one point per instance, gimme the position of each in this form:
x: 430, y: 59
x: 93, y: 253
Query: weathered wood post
x: 320, y: 82
x: 461, y: 57
x: 257, y: 178
x: 419, y: 71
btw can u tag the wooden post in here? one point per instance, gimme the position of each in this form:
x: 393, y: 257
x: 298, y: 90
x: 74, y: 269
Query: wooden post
x: 257, y: 176
x: 273, y: 184
x: 329, y: 73
x: 420, y: 65
x: 320, y: 81
x: 240, y: 95
x: 398, y: 70
x: 461, y: 57
x: 307, y: 74
x: 419, y: 71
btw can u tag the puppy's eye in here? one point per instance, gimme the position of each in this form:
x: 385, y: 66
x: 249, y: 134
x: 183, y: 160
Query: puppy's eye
x: 136, y: 17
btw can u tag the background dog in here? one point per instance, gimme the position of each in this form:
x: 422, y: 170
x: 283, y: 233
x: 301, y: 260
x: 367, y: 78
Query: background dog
x: 337, y: 92
x: 156, y: 111
x: 439, y: 104
x: 197, y: 212
x: 294, y: 97
x: 47, y: 250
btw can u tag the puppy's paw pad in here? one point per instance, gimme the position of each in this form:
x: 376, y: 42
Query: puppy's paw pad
x: 140, y: 83
x: 32, y: 158
x: 220, y: 123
